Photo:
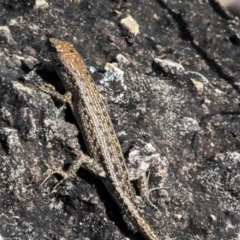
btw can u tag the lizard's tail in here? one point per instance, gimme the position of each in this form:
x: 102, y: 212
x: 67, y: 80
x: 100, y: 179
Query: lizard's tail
x: 144, y: 227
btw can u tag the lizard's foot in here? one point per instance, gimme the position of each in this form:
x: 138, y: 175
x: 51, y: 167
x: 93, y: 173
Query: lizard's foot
x: 147, y: 198
x: 142, y: 182
x: 54, y: 170
x: 83, y: 161
x: 50, y: 90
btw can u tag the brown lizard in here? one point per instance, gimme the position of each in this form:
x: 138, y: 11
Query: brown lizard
x: 105, y: 155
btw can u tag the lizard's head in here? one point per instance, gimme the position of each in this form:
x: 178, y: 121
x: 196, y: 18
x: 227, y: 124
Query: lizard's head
x: 55, y: 46
x: 58, y: 48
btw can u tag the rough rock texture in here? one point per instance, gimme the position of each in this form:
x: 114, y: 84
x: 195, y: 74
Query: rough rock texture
x: 182, y: 126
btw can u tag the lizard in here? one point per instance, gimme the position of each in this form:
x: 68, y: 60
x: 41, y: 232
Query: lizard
x: 105, y: 157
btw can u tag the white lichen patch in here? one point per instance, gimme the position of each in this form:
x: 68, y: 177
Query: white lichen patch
x: 113, y: 81
x: 111, y: 67
x: 190, y: 124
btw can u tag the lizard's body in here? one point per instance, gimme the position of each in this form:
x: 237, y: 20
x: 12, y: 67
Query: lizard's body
x: 99, y: 135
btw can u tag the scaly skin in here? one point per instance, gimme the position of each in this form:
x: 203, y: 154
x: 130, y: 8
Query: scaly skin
x: 99, y: 135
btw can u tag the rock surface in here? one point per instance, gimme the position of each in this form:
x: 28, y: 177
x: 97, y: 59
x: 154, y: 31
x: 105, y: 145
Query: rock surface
x: 183, y: 127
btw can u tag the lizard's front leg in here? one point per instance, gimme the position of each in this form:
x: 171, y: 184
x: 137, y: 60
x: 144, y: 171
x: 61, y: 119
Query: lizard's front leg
x: 82, y: 160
